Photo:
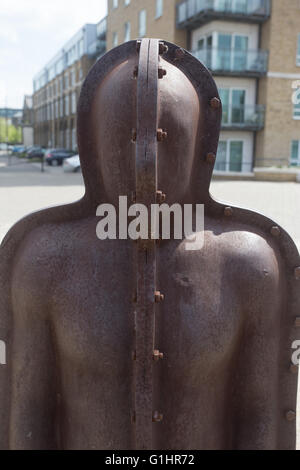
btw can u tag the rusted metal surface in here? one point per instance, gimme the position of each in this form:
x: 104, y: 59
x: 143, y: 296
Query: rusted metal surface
x: 146, y: 187
x: 122, y: 345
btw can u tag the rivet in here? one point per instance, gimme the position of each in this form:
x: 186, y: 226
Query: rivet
x: 179, y: 53
x: 163, y: 48
x: 133, y: 135
x: 161, y: 72
x: 135, y: 72
x: 228, y: 211
x: 297, y: 322
x: 215, y: 103
x: 157, y: 355
x: 211, y: 157
x: 158, y: 297
x: 294, y: 368
x: 138, y: 45
x: 157, y: 417
x: 133, y: 197
x: 161, y: 135
x: 160, y: 197
x: 297, y: 274
x: 275, y: 231
x: 290, y: 415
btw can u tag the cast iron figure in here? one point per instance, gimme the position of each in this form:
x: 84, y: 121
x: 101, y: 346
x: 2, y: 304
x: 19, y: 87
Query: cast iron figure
x: 121, y: 345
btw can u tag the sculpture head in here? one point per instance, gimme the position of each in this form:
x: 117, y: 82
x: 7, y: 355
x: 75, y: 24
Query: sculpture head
x: 108, y: 115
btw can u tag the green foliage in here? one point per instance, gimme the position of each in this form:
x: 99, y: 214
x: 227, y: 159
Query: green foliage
x: 9, y: 132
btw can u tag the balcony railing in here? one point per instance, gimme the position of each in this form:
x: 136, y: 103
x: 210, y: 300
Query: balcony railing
x: 194, y: 12
x: 234, y: 62
x: 246, y: 117
x: 97, y: 48
x: 102, y: 28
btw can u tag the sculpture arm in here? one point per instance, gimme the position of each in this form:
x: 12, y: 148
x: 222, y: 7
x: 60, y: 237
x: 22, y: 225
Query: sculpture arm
x: 33, y: 397
x: 259, y: 412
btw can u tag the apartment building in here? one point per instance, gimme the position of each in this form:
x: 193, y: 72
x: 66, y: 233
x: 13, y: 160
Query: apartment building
x: 131, y: 19
x: 252, y: 48
x: 57, y: 87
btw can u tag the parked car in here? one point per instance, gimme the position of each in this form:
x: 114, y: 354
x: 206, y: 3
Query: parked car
x: 55, y: 157
x: 18, y: 149
x: 35, y: 152
x: 72, y: 164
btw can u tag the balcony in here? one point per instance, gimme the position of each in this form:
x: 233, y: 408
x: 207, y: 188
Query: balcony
x: 97, y: 48
x: 194, y: 13
x: 233, y: 62
x: 245, y: 118
x: 101, y: 29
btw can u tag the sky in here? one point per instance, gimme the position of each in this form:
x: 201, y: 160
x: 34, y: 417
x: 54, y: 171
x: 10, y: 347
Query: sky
x: 31, y: 33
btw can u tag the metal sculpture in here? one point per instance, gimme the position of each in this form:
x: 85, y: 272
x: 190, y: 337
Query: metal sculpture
x: 121, y: 345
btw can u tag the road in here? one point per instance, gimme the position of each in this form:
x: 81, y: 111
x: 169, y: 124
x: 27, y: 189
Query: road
x: 24, y: 189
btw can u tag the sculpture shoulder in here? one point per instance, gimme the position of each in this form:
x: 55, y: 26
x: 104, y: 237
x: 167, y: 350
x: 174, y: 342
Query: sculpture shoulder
x: 250, y: 258
x: 254, y: 253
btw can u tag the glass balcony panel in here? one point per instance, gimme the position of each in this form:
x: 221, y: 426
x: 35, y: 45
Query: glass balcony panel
x: 234, y: 61
x: 243, y: 117
x: 188, y: 9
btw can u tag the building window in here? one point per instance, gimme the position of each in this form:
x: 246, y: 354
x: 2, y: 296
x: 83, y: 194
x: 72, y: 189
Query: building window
x: 298, y: 51
x: 142, y: 23
x: 230, y: 156
x: 66, y: 81
x: 127, y: 2
x: 115, y: 39
x: 74, y: 143
x: 233, y: 102
x: 61, y: 107
x: 159, y: 8
x: 295, y: 153
x: 296, y: 100
x: 67, y: 105
x: 127, y: 31
x: 73, y: 102
x: 115, y: 3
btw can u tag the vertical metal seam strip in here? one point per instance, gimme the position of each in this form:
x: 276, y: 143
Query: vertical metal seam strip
x: 146, y: 186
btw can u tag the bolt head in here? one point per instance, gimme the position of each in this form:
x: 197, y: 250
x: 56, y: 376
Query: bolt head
x: 133, y: 135
x: 215, y: 103
x: 294, y: 368
x: 157, y: 417
x: 135, y: 72
x: 163, y: 48
x: 275, y: 231
x: 133, y: 197
x: 179, y: 53
x: 290, y: 415
x: 297, y: 273
x: 157, y: 355
x: 160, y: 197
x: 161, y: 135
x: 159, y: 297
x: 228, y: 212
x: 161, y: 72
x: 211, y: 158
